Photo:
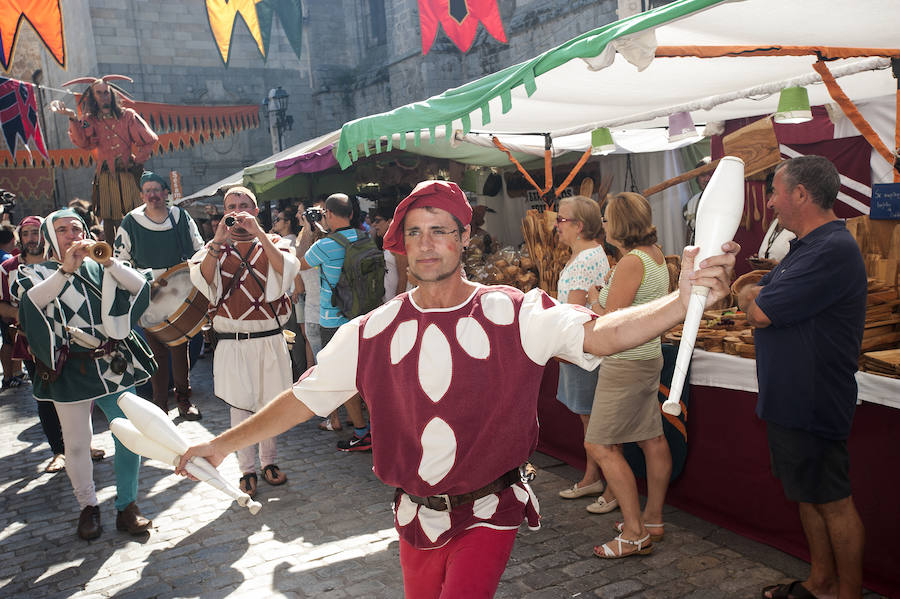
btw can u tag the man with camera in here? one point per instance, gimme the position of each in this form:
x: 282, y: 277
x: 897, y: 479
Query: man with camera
x: 328, y: 256
x: 77, y: 312
x: 247, y: 274
x: 158, y: 237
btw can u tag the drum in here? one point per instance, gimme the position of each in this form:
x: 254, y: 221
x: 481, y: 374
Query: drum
x: 177, y: 309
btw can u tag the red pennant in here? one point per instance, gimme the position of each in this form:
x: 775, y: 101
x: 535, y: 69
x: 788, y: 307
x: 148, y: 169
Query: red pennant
x: 437, y: 12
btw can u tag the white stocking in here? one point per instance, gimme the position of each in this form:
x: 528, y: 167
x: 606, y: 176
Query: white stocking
x: 75, y: 419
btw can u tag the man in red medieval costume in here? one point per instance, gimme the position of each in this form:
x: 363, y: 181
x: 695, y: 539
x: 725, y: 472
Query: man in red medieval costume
x: 423, y: 361
x: 122, y: 142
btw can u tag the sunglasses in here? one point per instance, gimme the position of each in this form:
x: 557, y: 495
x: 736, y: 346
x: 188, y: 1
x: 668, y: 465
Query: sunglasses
x: 560, y: 219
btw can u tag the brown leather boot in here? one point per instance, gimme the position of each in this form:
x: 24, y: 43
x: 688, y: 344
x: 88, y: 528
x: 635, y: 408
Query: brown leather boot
x: 186, y: 409
x: 89, y: 523
x: 131, y: 520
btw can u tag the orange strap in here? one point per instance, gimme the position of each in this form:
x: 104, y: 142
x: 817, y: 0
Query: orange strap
x: 853, y: 114
x: 575, y: 169
x: 522, y: 170
x: 548, y: 171
x: 825, y: 52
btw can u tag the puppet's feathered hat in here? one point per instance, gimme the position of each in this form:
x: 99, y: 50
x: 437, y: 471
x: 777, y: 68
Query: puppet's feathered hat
x: 92, y: 81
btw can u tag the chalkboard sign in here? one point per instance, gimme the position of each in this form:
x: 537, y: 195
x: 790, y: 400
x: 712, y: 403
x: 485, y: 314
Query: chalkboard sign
x: 885, y: 201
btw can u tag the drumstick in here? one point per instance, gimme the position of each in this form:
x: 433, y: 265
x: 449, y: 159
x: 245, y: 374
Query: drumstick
x: 718, y: 218
x: 198, y: 467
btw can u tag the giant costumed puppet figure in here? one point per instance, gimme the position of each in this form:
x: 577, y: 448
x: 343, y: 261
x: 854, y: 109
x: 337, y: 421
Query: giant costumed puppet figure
x: 122, y: 141
x: 78, y: 310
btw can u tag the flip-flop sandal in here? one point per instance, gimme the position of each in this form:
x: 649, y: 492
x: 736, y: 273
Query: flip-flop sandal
x: 790, y: 590
x: 272, y: 475
x: 247, y: 484
x: 56, y: 464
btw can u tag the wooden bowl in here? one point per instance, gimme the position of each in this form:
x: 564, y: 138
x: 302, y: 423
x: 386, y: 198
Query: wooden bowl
x: 751, y: 278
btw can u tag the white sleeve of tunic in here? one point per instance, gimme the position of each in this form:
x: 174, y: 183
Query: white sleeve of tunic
x: 331, y: 382
x: 127, y: 278
x: 47, y: 290
x: 555, y: 331
x: 210, y: 290
x: 196, y: 238
x: 279, y: 284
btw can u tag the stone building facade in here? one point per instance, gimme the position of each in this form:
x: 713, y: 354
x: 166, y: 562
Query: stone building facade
x: 358, y: 57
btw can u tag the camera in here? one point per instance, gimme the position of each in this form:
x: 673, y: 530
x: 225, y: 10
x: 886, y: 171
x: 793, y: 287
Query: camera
x: 7, y: 200
x: 313, y: 215
x: 230, y: 220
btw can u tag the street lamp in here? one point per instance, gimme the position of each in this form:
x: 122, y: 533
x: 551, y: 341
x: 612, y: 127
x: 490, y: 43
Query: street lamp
x: 275, y: 107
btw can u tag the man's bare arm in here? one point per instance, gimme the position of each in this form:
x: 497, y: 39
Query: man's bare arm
x: 624, y: 329
x: 282, y: 413
x: 630, y: 327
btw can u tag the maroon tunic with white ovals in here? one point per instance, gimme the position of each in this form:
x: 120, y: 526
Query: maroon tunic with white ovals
x: 452, y: 396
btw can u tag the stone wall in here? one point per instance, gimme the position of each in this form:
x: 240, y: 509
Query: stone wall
x: 345, y: 71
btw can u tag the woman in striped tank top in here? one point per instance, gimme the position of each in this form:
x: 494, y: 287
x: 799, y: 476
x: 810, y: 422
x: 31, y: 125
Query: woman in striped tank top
x: 625, y: 407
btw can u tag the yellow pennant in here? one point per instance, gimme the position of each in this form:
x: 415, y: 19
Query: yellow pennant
x: 222, y: 17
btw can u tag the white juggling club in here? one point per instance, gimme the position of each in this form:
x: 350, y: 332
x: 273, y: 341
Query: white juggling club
x: 718, y: 218
x: 143, y: 445
x: 154, y: 436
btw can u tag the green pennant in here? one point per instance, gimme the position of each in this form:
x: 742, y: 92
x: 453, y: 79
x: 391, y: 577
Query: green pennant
x: 290, y: 14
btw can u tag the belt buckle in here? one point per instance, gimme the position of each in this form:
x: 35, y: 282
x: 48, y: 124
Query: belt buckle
x: 243, y: 336
x: 446, y: 499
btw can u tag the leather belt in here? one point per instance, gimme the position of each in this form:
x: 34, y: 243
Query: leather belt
x: 255, y: 335
x: 93, y: 354
x: 446, y: 503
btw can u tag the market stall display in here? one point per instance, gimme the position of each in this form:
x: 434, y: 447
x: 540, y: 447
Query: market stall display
x: 727, y: 331
x: 507, y: 266
x: 541, y: 239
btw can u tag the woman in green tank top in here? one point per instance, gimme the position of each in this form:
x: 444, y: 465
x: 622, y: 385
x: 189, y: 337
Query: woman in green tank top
x: 625, y: 407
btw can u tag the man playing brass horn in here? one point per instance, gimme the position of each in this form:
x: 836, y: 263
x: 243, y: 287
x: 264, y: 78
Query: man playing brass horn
x: 77, y: 315
x: 159, y: 237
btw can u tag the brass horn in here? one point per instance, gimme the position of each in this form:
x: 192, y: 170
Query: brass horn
x: 100, y: 251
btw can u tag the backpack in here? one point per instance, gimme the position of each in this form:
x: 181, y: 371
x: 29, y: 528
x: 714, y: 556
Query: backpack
x: 360, y: 288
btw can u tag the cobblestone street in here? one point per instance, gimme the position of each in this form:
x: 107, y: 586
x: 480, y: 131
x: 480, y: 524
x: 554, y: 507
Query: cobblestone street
x: 327, y: 533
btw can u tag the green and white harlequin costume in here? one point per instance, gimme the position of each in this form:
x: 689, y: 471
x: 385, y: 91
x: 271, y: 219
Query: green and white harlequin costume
x: 77, y: 305
x: 49, y: 301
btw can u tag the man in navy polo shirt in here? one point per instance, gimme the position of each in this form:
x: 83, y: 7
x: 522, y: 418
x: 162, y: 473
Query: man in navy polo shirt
x: 809, y: 314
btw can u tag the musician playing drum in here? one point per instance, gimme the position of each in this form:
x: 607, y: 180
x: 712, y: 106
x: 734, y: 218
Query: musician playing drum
x: 158, y: 237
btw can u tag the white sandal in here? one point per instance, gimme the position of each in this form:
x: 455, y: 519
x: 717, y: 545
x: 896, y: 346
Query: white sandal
x: 656, y: 538
x: 643, y: 547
